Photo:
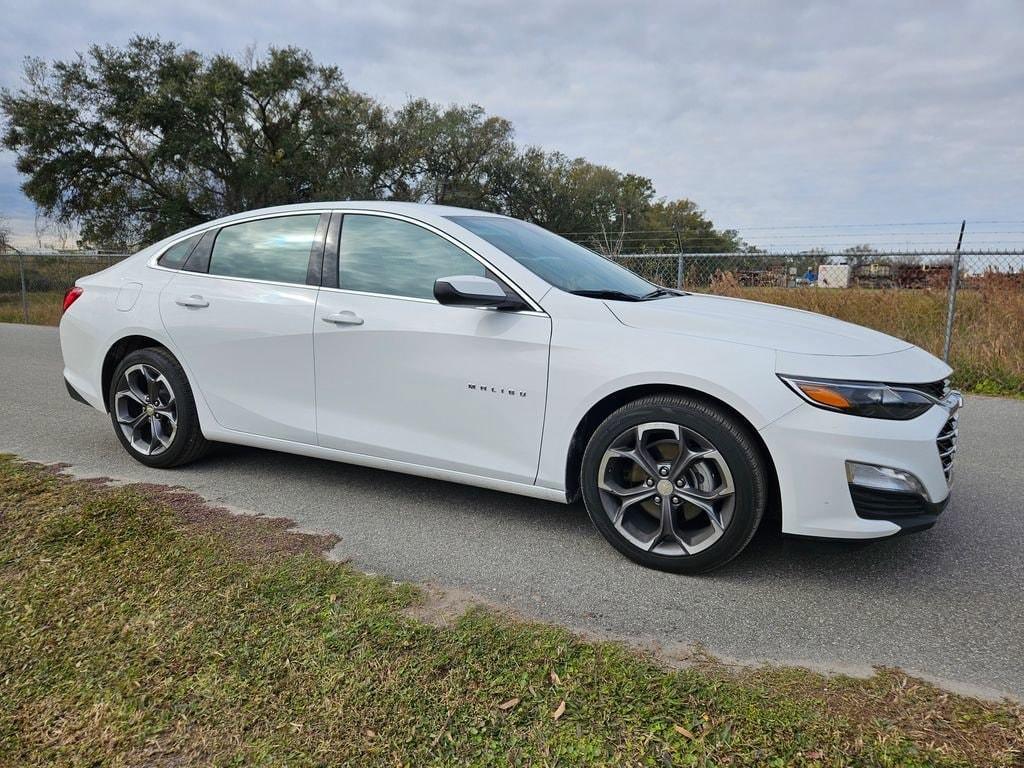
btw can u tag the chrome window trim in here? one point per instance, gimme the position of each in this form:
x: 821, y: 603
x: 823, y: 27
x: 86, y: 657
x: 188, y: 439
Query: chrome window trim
x: 152, y: 261
x: 536, y: 308
x: 307, y: 286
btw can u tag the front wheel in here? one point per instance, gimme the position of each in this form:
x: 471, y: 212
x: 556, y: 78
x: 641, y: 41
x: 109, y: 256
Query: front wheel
x: 152, y: 410
x: 674, y: 483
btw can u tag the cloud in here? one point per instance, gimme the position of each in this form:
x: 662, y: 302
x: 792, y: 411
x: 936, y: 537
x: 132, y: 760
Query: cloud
x: 764, y: 113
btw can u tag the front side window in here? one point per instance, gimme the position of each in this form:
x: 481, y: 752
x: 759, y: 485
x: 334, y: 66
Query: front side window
x: 396, y: 258
x: 274, y: 249
x: 555, y: 260
x: 176, y: 255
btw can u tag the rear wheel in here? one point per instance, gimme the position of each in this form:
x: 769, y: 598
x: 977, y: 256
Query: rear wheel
x: 152, y: 410
x: 674, y: 483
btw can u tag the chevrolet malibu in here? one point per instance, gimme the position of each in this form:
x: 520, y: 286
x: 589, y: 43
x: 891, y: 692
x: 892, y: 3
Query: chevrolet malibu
x: 479, y: 349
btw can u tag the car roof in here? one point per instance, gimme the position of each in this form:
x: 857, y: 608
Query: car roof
x: 426, y: 212
x: 415, y: 210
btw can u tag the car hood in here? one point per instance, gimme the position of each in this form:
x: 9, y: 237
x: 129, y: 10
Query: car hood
x: 750, y: 322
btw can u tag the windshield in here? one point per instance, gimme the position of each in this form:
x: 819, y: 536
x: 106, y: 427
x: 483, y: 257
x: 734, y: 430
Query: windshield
x: 562, y: 263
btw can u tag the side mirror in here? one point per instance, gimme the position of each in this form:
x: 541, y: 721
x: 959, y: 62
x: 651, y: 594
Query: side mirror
x: 475, y: 291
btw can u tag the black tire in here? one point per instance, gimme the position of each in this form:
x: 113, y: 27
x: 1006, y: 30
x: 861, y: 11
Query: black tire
x: 187, y: 443
x: 732, y: 440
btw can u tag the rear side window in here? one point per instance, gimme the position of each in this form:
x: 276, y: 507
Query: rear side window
x: 396, y: 258
x: 274, y: 249
x: 175, y: 256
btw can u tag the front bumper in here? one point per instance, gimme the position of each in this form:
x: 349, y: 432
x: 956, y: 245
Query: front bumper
x: 810, y: 448
x: 910, y: 511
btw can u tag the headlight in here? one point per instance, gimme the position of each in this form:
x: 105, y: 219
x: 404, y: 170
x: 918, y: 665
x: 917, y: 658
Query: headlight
x: 875, y: 401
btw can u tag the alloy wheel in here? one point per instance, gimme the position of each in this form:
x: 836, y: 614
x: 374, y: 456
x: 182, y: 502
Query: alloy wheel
x: 146, y: 410
x: 666, y: 488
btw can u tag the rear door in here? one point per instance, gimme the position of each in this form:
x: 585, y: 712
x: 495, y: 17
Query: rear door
x: 399, y: 376
x: 241, y: 313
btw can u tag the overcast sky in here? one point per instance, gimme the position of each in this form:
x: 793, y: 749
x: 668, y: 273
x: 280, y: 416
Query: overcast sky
x: 765, y: 114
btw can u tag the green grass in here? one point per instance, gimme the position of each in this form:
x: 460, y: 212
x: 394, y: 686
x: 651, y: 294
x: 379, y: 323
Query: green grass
x: 139, y: 627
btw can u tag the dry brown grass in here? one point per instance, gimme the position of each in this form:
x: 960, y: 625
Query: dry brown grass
x: 43, y: 308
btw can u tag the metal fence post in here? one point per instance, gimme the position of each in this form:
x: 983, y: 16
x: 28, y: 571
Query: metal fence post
x: 24, y: 290
x: 679, y: 272
x: 954, y: 281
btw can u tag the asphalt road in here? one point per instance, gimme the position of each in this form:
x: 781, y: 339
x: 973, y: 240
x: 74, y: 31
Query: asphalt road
x: 947, y: 604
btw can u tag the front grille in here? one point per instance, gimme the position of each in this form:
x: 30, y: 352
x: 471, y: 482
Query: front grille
x: 946, y: 443
x: 937, y: 389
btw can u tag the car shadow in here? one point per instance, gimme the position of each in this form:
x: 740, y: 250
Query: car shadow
x: 428, y: 502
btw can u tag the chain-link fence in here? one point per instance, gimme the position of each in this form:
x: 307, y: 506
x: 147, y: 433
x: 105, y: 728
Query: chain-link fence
x: 976, y: 320
x: 878, y: 270
x: 32, y: 285
x: 904, y: 293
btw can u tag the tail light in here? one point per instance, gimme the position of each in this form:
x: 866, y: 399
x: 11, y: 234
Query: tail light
x: 70, y: 298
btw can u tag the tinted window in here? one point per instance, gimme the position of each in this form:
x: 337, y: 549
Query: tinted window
x: 175, y: 256
x: 556, y: 260
x: 269, y: 249
x: 382, y: 255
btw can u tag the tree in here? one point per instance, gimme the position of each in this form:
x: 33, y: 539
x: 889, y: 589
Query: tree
x: 684, y: 226
x: 50, y: 233
x: 132, y: 144
x: 590, y: 203
x: 140, y: 142
x: 447, y: 155
x: 5, y: 235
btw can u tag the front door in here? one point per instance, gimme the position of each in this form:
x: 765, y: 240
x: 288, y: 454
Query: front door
x: 399, y: 376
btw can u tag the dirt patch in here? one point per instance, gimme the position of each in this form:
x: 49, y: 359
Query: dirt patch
x: 442, y: 606
x: 252, y: 532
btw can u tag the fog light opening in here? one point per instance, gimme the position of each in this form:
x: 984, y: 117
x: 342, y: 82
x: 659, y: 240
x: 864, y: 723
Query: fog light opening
x: 884, y: 479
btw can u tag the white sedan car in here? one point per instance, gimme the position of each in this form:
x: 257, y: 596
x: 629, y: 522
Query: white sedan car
x: 476, y: 348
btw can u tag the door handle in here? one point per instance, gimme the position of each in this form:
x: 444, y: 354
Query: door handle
x: 346, y: 317
x: 195, y: 300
